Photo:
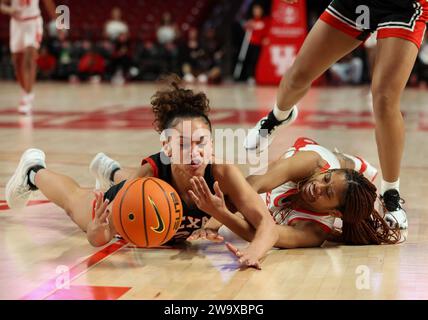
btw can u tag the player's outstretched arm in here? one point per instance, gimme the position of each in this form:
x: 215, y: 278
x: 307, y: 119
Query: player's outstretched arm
x: 246, y: 200
x: 295, y: 168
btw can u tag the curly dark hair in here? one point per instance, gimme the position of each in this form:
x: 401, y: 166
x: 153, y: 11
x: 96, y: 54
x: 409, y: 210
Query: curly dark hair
x: 173, y: 102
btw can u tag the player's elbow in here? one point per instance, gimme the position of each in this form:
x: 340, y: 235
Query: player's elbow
x: 252, y: 181
x: 255, y: 181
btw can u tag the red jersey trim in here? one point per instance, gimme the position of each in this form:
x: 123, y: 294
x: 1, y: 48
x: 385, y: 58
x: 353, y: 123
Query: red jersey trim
x: 325, y: 168
x: 415, y: 36
x: 333, y: 21
x: 284, y: 196
x: 153, y: 165
x: 363, y: 165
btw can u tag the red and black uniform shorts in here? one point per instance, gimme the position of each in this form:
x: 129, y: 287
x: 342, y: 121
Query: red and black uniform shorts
x: 405, y: 19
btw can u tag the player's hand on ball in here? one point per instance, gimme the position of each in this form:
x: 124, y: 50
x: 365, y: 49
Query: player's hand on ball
x: 206, y: 234
x: 204, y: 199
x: 246, y: 257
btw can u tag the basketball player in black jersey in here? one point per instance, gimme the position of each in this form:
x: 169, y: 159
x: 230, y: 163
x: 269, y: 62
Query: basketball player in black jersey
x: 175, y: 110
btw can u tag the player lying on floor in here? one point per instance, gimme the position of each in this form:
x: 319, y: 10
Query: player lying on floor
x: 175, y: 109
x: 306, y: 190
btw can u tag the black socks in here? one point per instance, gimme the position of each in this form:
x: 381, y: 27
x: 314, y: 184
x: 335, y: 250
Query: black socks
x: 112, y: 174
x: 31, y: 174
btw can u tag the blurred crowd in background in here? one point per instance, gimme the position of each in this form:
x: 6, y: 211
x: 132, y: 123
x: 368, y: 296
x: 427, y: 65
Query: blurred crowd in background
x: 202, y: 47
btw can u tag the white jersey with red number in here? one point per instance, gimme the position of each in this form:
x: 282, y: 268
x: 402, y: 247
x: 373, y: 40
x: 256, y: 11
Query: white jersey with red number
x: 276, y: 200
x: 26, y: 8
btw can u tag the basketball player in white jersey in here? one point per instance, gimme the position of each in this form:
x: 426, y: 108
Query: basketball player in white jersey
x: 26, y: 31
x: 400, y: 26
x: 307, y: 189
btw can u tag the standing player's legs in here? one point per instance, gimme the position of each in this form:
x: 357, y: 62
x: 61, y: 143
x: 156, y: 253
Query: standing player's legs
x: 30, y: 68
x: 390, y: 76
x: 28, y: 74
x: 18, y: 63
x: 25, y: 39
x: 25, y: 64
x: 323, y: 46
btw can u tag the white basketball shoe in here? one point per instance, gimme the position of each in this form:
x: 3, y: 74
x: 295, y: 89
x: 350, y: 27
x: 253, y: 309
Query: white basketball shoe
x: 101, y: 168
x: 26, y: 104
x: 18, y: 190
x: 261, y: 135
x: 395, y: 215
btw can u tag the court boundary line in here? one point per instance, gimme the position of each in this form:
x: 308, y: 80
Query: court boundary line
x: 49, y: 287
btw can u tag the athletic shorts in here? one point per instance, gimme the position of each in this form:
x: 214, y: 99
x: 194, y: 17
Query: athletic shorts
x: 25, y: 33
x: 111, y: 193
x: 405, y: 19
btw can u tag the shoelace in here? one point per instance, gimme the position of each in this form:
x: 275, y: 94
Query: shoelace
x: 392, y: 202
x: 270, y: 123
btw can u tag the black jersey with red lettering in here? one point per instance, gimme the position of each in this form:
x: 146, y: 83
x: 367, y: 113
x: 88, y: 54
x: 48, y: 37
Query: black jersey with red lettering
x: 193, y: 218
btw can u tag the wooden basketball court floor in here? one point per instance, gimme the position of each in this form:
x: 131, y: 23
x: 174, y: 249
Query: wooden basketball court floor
x: 40, y: 248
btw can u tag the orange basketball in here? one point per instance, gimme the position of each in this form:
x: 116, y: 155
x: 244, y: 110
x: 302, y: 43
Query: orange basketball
x: 147, y: 212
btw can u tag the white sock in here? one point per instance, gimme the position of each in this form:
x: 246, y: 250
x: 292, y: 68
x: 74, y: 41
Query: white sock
x: 385, y: 186
x: 28, y: 97
x: 280, y: 114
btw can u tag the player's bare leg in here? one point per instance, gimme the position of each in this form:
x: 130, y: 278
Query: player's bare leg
x: 18, y: 63
x: 30, y: 67
x: 31, y: 174
x: 28, y: 74
x: 390, y: 76
x: 67, y: 194
x: 323, y: 46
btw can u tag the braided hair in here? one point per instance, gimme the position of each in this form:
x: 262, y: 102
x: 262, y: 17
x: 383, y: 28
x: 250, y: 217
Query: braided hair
x: 362, y: 223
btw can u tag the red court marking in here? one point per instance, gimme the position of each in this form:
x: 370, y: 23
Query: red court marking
x: 141, y: 118
x: 423, y: 121
x: 89, y: 293
x: 4, y: 206
x: 49, y: 288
